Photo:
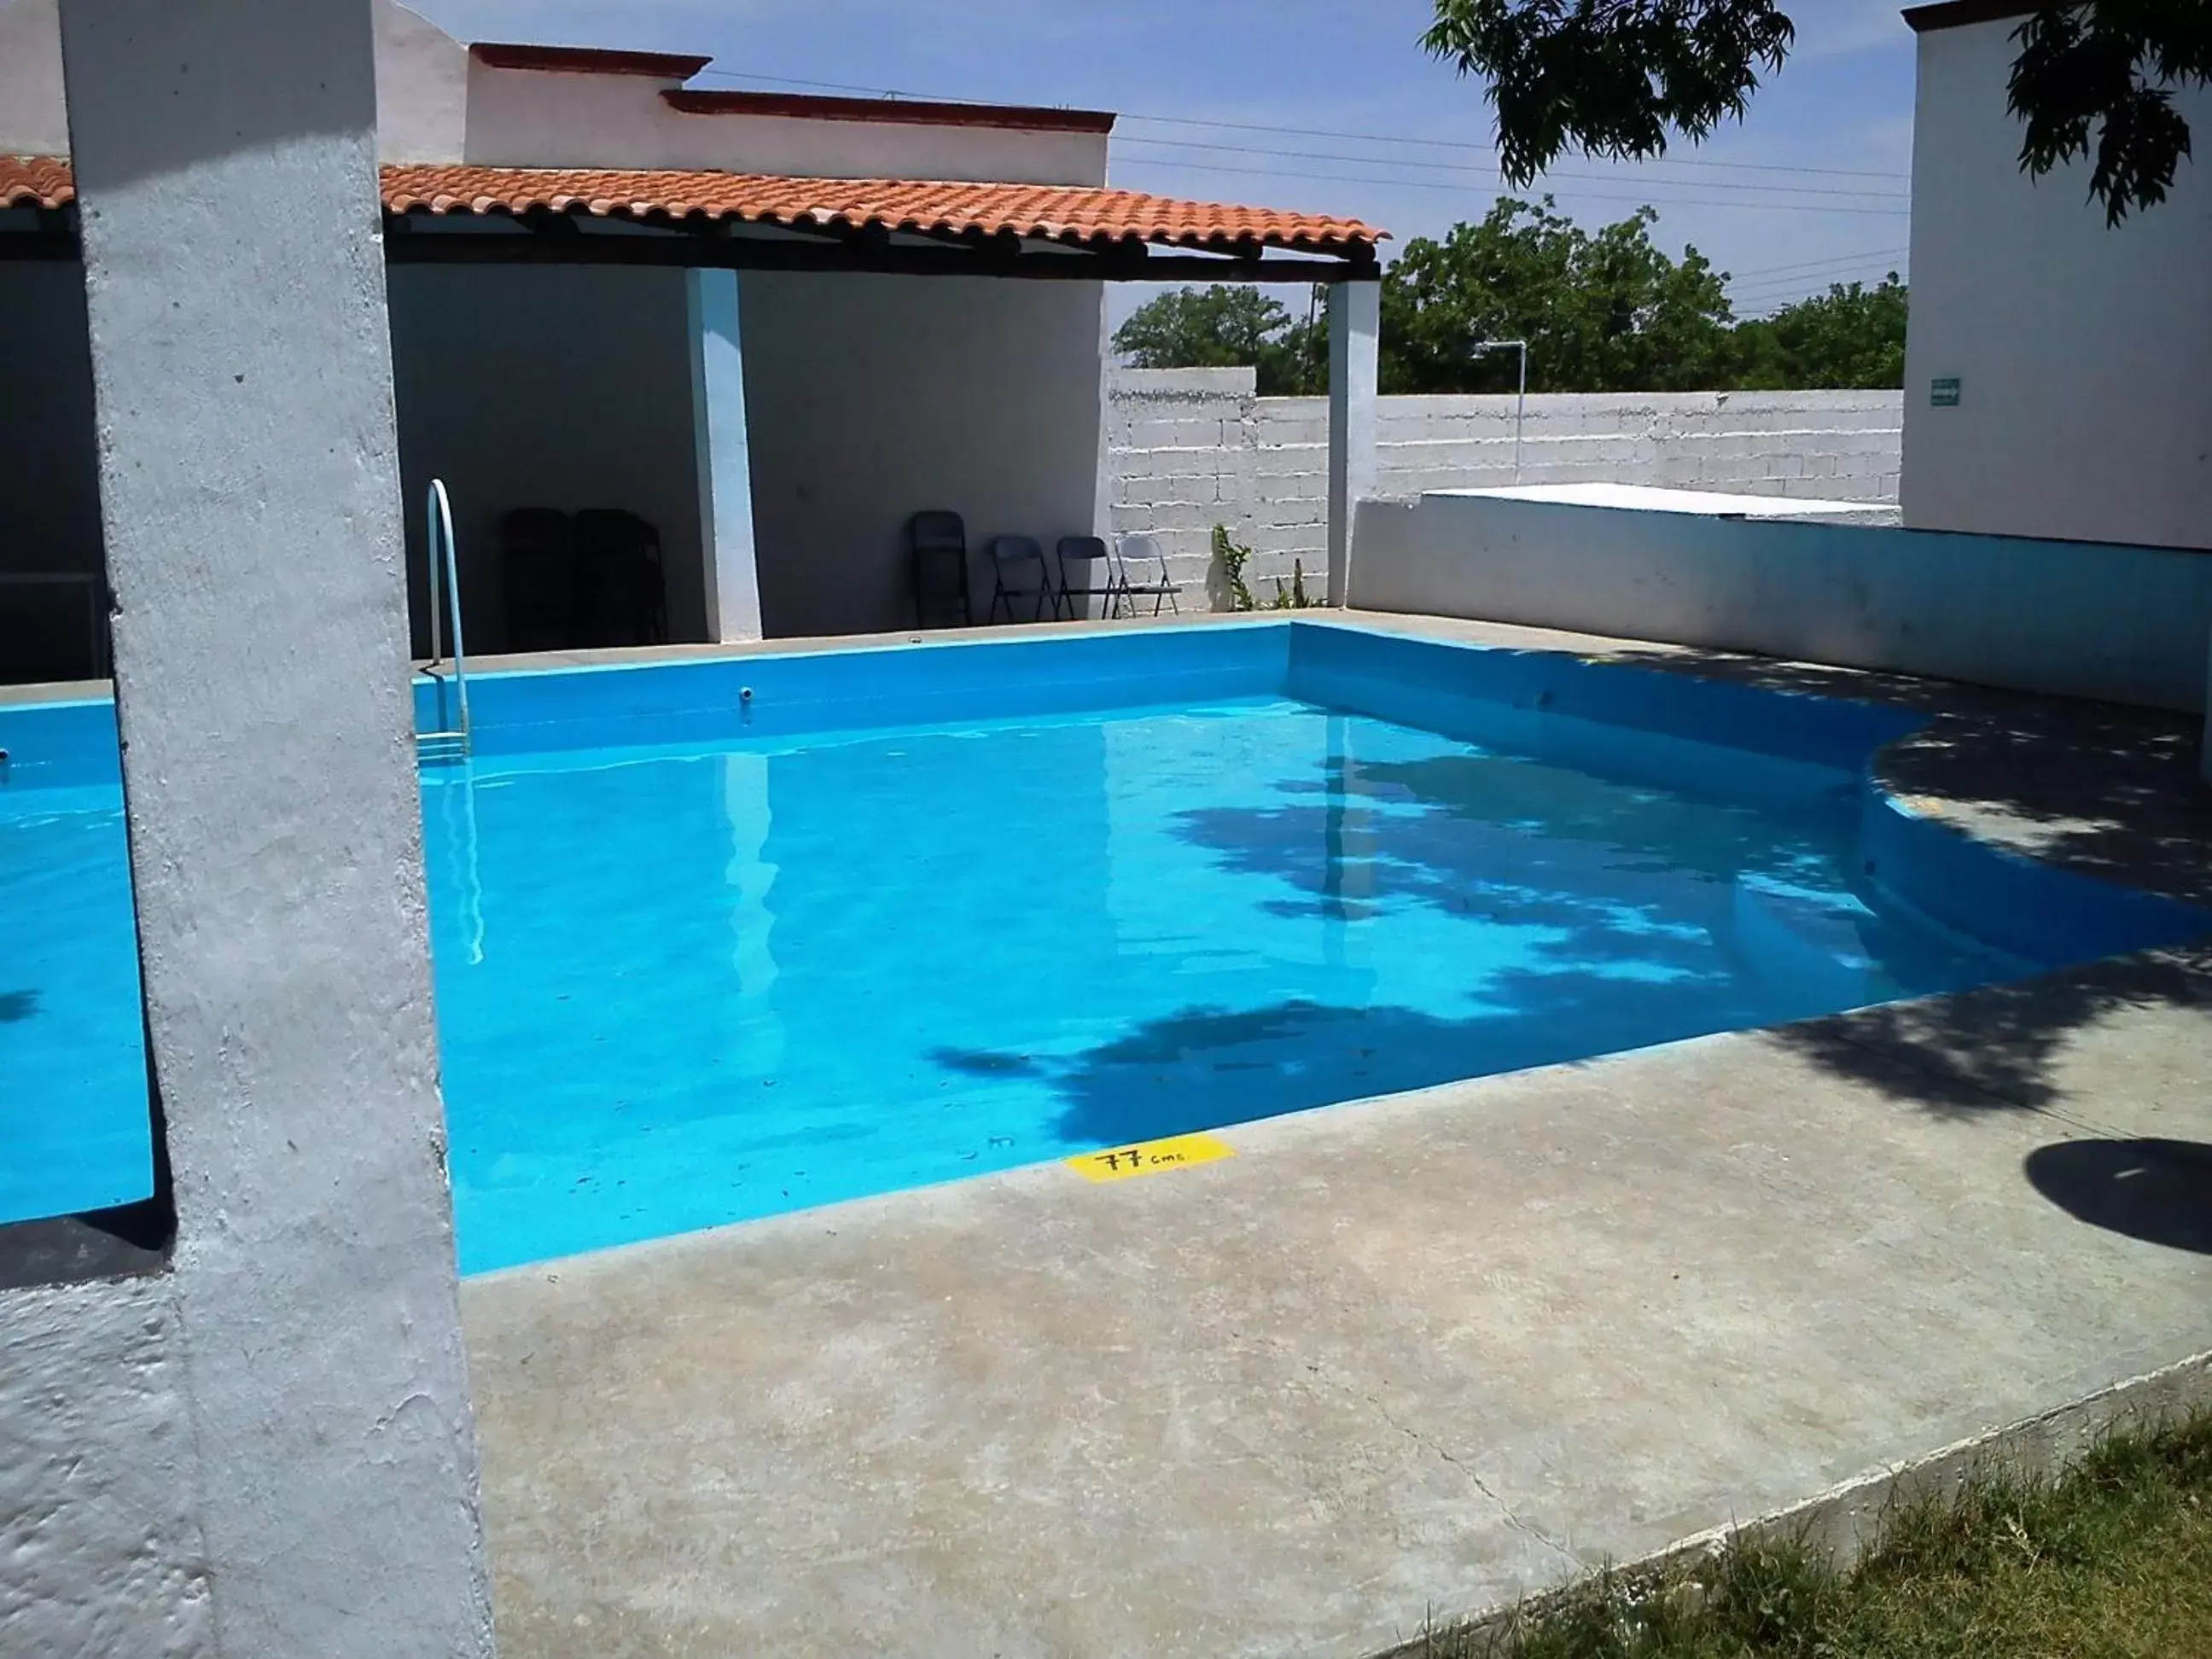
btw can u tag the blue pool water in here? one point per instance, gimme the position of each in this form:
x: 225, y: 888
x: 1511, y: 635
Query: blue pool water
x: 793, y: 953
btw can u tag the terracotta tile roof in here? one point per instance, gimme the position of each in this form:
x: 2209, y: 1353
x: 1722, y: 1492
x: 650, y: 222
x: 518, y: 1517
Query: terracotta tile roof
x: 1060, y: 212
x: 37, y: 181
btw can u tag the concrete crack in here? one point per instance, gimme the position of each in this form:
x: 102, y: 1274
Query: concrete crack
x: 1373, y: 1403
x: 1504, y: 1508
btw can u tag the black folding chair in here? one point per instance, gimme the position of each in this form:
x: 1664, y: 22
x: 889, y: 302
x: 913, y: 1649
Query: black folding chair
x: 1087, y: 556
x: 537, y: 579
x: 938, y: 541
x: 1019, y: 572
x: 621, y: 593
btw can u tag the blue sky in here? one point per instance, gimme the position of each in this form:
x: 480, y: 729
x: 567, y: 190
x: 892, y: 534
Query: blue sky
x: 1811, y: 188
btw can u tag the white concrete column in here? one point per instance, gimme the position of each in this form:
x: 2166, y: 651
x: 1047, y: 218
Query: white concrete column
x: 308, y: 1405
x: 724, y: 458
x: 1355, y: 330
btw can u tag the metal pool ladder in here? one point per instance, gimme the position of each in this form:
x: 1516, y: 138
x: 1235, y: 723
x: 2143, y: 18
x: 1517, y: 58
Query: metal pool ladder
x: 449, y: 741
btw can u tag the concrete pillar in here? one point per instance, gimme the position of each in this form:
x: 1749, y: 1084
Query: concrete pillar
x: 724, y: 459
x: 303, y: 1403
x: 1355, y: 331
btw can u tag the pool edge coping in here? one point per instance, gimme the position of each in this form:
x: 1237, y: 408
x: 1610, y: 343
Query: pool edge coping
x: 1842, y: 1521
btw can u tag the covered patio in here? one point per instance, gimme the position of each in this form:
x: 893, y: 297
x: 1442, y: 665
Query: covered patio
x: 771, y: 372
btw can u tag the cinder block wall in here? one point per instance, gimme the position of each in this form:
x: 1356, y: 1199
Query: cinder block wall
x: 1191, y: 448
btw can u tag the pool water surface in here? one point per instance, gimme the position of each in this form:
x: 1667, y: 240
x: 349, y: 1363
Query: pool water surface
x: 757, y: 970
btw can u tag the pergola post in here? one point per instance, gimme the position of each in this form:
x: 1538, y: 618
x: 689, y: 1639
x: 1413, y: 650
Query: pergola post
x: 728, y: 553
x: 281, y: 1459
x: 1355, y: 327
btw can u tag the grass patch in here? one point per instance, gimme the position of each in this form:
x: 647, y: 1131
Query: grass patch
x: 2112, y: 1560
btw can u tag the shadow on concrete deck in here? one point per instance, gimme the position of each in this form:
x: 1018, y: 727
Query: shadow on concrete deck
x: 2159, y: 1191
x: 2000, y: 1047
x: 2103, y: 790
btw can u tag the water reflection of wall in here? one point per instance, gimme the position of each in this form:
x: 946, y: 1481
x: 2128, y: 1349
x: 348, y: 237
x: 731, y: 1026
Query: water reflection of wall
x: 1167, y: 894
x: 748, y: 878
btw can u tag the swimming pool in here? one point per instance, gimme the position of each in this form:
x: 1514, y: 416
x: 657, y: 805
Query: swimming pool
x: 722, y: 939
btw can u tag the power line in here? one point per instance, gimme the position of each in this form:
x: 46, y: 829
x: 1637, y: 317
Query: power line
x: 1465, y: 167
x: 1812, y: 271
x: 1805, y: 289
x: 1643, y: 196
x: 1491, y: 149
x: 1699, y: 161
x: 1810, y: 286
x: 1875, y: 270
x: 1806, y: 265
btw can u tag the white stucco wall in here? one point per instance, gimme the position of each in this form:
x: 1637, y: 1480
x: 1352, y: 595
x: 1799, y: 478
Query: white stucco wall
x: 2124, y: 623
x: 422, y: 88
x: 2084, y: 353
x: 873, y: 397
x: 561, y: 387
x: 101, y: 1547
x: 49, y: 485
x: 531, y: 117
x: 264, y: 1448
x: 34, y: 111
x: 435, y: 103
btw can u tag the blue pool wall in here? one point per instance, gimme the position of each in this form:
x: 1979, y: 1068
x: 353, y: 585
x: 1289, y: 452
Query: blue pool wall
x: 60, y: 745
x: 808, y: 693
x: 1544, y: 704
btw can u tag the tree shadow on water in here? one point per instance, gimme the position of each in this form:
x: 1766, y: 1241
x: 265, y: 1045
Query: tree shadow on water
x: 1206, y: 1068
x: 2101, y: 788
x: 2110, y: 793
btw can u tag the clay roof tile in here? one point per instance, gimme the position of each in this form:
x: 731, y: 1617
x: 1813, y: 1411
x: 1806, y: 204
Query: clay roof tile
x: 1066, y: 213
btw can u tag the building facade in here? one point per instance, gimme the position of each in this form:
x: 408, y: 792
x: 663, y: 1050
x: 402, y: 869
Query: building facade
x: 2058, y: 372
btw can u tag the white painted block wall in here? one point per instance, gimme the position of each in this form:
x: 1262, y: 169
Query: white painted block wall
x: 1190, y: 448
x: 2120, y: 623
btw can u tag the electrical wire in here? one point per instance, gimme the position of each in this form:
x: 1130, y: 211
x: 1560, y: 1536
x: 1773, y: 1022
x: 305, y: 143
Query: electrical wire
x: 1698, y: 162
x: 1807, y: 265
x: 1641, y: 196
x: 1466, y: 166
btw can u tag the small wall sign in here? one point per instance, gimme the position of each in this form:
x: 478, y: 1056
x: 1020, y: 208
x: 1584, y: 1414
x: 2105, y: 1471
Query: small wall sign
x: 1944, y: 394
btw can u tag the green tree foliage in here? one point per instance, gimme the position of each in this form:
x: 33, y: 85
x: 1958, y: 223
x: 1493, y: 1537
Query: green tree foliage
x: 1852, y: 335
x: 1229, y: 326
x: 2097, y: 80
x: 1612, y: 78
x: 1609, y: 75
x: 1603, y: 311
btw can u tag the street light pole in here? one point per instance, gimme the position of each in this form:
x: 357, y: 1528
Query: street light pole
x: 1521, y: 407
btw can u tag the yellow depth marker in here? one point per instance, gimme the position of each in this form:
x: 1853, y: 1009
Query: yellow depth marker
x: 1150, y: 1158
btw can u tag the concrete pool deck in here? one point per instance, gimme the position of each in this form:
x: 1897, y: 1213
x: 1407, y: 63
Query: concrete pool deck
x: 1421, y: 1354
